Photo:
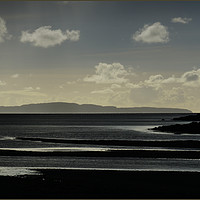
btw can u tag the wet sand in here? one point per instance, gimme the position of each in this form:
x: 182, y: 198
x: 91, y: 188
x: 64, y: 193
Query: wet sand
x: 189, y: 154
x: 71, y: 183
x: 146, y: 143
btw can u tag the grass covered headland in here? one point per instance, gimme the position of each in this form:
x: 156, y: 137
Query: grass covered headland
x: 191, y: 128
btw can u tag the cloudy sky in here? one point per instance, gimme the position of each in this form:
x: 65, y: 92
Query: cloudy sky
x: 107, y: 53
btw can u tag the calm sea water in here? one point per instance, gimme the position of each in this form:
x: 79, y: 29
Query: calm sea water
x: 14, y: 128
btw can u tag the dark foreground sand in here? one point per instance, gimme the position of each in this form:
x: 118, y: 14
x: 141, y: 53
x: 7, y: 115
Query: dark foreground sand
x: 67, y: 183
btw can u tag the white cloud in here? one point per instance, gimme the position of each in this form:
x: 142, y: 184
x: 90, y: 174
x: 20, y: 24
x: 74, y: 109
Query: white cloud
x: 73, y: 35
x: 104, y: 91
x: 156, y: 90
x: 115, y: 86
x: 155, y: 33
x: 189, y: 79
x: 3, y: 31
x: 31, y: 89
x: 154, y: 80
x: 45, y: 37
x: 167, y: 92
x: 28, y: 88
x: 24, y: 92
x: 108, y: 73
x: 131, y: 85
x: 170, y: 80
x: 15, y: 76
x: 181, y: 20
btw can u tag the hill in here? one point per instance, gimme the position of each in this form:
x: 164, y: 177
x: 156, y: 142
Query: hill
x: 61, y: 107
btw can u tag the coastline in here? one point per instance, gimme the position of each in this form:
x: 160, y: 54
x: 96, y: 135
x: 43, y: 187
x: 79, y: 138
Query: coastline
x: 140, y: 153
x: 163, y: 179
x: 189, y: 128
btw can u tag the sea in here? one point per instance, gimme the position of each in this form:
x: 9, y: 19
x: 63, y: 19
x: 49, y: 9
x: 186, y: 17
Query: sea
x: 82, y: 141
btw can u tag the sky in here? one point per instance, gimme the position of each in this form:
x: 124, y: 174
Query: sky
x: 119, y: 53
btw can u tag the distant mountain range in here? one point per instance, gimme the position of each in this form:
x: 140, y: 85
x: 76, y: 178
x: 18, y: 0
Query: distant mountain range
x: 61, y: 107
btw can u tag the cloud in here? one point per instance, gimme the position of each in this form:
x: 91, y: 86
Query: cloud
x: 168, y: 92
x: 191, y: 75
x: 71, y: 82
x: 181, y: 20
x: 15, y: 76
x: 170, y: 80
x: 173, y: 95
x: 73, y: 35
x: 156, y: 90
x: 154, y: 80
x: 104, y: 91
x: 3, y: 31
x: 28, y: 88
x: 120, y: 99
x: 108, y: 73
x: 155, y: 33
x: 2, y: 83
x: 144, y: 95
x: 23, y: 92
x: 131, y: 85
x: 115, y: 86
x: 45, y: 37
x: 191, y: 78
x: 31, y: 88
x: 19, y: 97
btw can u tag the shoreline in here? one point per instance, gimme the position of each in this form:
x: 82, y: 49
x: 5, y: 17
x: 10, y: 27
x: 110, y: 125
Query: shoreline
x: 146, y: 143
x: 140, y: 153
x: 190, y: 128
